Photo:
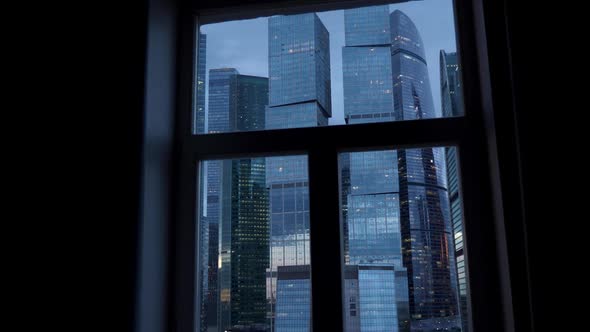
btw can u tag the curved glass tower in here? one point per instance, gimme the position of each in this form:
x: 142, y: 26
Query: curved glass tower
x: 427, y: 244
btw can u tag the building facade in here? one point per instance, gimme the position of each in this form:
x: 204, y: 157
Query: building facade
x: 370, y: 294
x: 199, y: 102
x: 395, y: 203
x: 299, y: 96
x: 293, y: 299
x: 427, y: 240
x: 452, y: 105
x: 236, y: 208
x: 370, y: 185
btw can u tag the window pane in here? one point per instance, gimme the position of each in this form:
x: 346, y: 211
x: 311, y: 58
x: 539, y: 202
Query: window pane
x: 371, y: 64
x: 403, y: 241
x: 254, y: 259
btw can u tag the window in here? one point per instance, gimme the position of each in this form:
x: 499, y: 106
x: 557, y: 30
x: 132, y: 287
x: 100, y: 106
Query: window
x: 320, y: 193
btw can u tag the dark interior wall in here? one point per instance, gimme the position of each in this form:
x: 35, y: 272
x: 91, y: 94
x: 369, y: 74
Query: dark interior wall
x: 129, y: 94
x: 118, y: 69
x: 536, y: 82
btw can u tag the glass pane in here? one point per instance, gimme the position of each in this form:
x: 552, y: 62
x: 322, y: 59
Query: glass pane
x: 371, y: 64
x: 254, y: 261
x: 403, y: 241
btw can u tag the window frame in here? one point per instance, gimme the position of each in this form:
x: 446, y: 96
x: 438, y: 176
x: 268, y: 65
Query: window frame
x: 488, y: 165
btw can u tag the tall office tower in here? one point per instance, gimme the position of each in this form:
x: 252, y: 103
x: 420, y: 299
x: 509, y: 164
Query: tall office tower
x: 200, y: 85
x: 293, y: 299
x: 237, y: 207
x: 244, y: 247
x: 299, y: 91
x: 370, y: 292
x: 450, y: 85
x: 199, y: 128
x: 370, y: 185
x: 299, y: 67
x: 220, y: 103
x: 366, y: 64
x: 452, y: 105
x: 427, y: 240
x: 371, y: 298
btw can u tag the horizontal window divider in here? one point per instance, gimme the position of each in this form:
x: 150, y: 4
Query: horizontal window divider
x: 342, y: 138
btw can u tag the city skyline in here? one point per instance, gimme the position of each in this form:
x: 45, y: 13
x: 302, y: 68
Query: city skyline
x: 395, y: 203
x: 243, y: 45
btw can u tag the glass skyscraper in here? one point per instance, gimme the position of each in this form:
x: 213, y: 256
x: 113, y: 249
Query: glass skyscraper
x: 370, y: 185
x: 293, y: 299
x: 371, y: 294
x: 366, y: 64
x: 451, y: 98
x: 427, y: 242
x: 200, y: 84
x: 299, y: 96
x: 199, y: 128
x: 236, y: 208
x: 299, y: 69
x: 450, y: 85
x: 395, y: 203
x: 244, y: 247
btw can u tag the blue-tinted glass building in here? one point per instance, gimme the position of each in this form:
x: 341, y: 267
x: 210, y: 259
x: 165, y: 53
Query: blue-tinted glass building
x: 372, y: 296
x: 199, y: 102
x: 366, y: 65
x: 236, y: 208
x: 299, y: 70
x: 450, y: 85
x: 370, y: 184
x: 299, y: 96
x: 451, y: 98
x: 427, y: 240
x: 199, y: 128
x: 395, y: 203
x: 293, y: 299
x: 377, y: 298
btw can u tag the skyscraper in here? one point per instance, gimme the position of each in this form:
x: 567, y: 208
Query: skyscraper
x: 395, y: 203
x: 293, y: 299
x: 450, y: 85
x: 237, y: 207
x: 244, y: 248
x: 366, y: 64
x: 299, y: 69
x: 200, y: 84
x: 451, y: 98
x: 427, y: 242
x: 199, y: 128
x: 370, y: 184
x: 299, y: 89
x: 370, y: 291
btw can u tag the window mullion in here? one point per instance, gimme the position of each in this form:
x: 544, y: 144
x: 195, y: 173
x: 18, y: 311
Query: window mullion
x: 326, y: 240
x: 371, y: 136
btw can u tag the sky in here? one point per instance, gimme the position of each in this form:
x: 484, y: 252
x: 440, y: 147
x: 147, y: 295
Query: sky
x: 244, y: 45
